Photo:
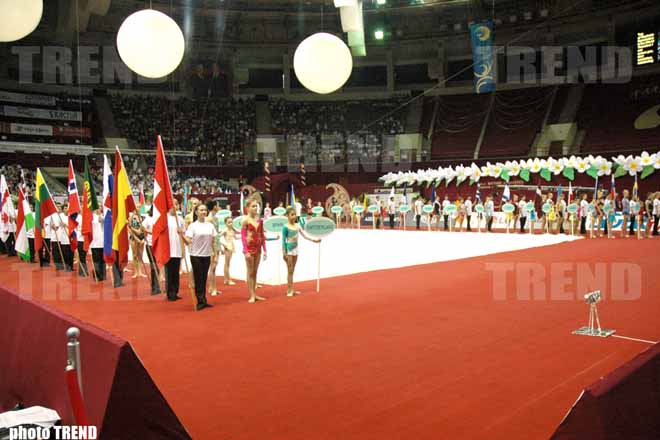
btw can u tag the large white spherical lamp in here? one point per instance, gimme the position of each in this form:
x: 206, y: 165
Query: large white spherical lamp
x: 323, y: 63
x: 150, y: 43
x: 19, y: 18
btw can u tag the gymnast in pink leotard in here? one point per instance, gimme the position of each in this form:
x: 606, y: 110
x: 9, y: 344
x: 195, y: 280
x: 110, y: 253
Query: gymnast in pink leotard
x: 254, y: 241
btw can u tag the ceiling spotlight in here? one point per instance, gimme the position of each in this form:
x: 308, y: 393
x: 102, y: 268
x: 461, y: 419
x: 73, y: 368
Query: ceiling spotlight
x: 150, y: 43
x: 322, y: 63
x: 379, y: 34
x: 18, y: 19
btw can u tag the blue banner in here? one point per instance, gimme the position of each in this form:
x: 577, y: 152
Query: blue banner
x: 481, y: 35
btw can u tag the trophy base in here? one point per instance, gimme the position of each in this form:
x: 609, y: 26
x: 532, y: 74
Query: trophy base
x: 586, y: 331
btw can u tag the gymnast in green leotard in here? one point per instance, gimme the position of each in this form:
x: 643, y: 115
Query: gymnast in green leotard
x: 290, y: 234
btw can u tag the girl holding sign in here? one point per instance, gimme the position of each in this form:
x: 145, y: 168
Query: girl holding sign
x: 608, y: 208
x: 290, y: 234
x: 254, y: 242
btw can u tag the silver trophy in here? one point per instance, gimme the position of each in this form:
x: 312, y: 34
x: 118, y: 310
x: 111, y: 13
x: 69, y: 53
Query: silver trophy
x: 593, y: 329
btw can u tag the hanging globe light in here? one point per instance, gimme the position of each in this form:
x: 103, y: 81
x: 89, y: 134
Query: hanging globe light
x: 322, y: 63
x: 150, y: 43
x: 18, y: 19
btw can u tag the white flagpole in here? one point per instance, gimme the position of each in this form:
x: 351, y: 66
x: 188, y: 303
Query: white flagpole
x: 318, y: 272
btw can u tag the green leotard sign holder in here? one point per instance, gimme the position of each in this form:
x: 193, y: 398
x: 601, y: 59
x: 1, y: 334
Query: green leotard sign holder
x: 279, y: 211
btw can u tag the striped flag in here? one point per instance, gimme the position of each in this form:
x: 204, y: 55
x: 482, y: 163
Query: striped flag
x: 123, y: 204
x: 303, y: 177
x: 635, y: 188
x: 612, y: 186
x: 293, y: 197
x: 477, y: 195
x: 24, y: 222
x: 560, y: 190
x: 74, y: 208
x: 570, y: 192
x: 108, y: 189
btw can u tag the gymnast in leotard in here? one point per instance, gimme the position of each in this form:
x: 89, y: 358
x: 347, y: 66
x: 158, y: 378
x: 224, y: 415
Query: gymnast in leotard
x: 254, y: 242
x: 290, y: 234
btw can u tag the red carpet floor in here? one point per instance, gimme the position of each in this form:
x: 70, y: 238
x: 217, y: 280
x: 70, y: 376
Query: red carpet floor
x: 418, y: 353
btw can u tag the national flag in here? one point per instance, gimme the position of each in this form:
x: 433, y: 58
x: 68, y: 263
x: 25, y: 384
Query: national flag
x: 612, y: 187
x: 596, y: 189
x: 570, y: 192
x: 506, y: 194
x: 241, y: 209
x: 560, y: 191
x: 89, y: 205
x: 123, y: 204
x: 23, y: 183
x: 74, y: 208
x: 163, y: 201
x: 44, y: 207
x: 24, y: 222
x: 477, y: 195
x: 538, y: 196
x: 293, y: 197
x: 433, y: 194
x: 6, y: 207
x: 635, y: 188
x: 108, y: 189
x: 392, y: 192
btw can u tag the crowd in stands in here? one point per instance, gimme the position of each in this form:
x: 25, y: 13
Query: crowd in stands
x: 217, y: 130
x: 337, y: 130
x: 139, y: 178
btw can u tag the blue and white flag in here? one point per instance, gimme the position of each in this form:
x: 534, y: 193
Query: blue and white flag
x: 506, y: 195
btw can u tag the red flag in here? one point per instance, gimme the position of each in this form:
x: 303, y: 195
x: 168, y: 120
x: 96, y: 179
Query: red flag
x: 142, y: 200
x: 162, y: 203
x: 123, y: 204
x: 74, y: 208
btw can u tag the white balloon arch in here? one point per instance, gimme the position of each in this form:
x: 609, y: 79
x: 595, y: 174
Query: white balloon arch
x: 644, y: 165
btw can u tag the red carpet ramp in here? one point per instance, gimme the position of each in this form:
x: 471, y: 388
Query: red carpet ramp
x: 624, y: 405
x: 121, y: 398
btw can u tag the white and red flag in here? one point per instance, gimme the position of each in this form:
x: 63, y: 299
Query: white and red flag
x: 162, y: 203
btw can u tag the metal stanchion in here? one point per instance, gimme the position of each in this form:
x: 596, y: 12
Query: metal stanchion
x: 73, y: 353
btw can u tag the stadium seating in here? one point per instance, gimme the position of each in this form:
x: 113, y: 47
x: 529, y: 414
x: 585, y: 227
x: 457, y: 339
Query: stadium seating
x: 609, y: 113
